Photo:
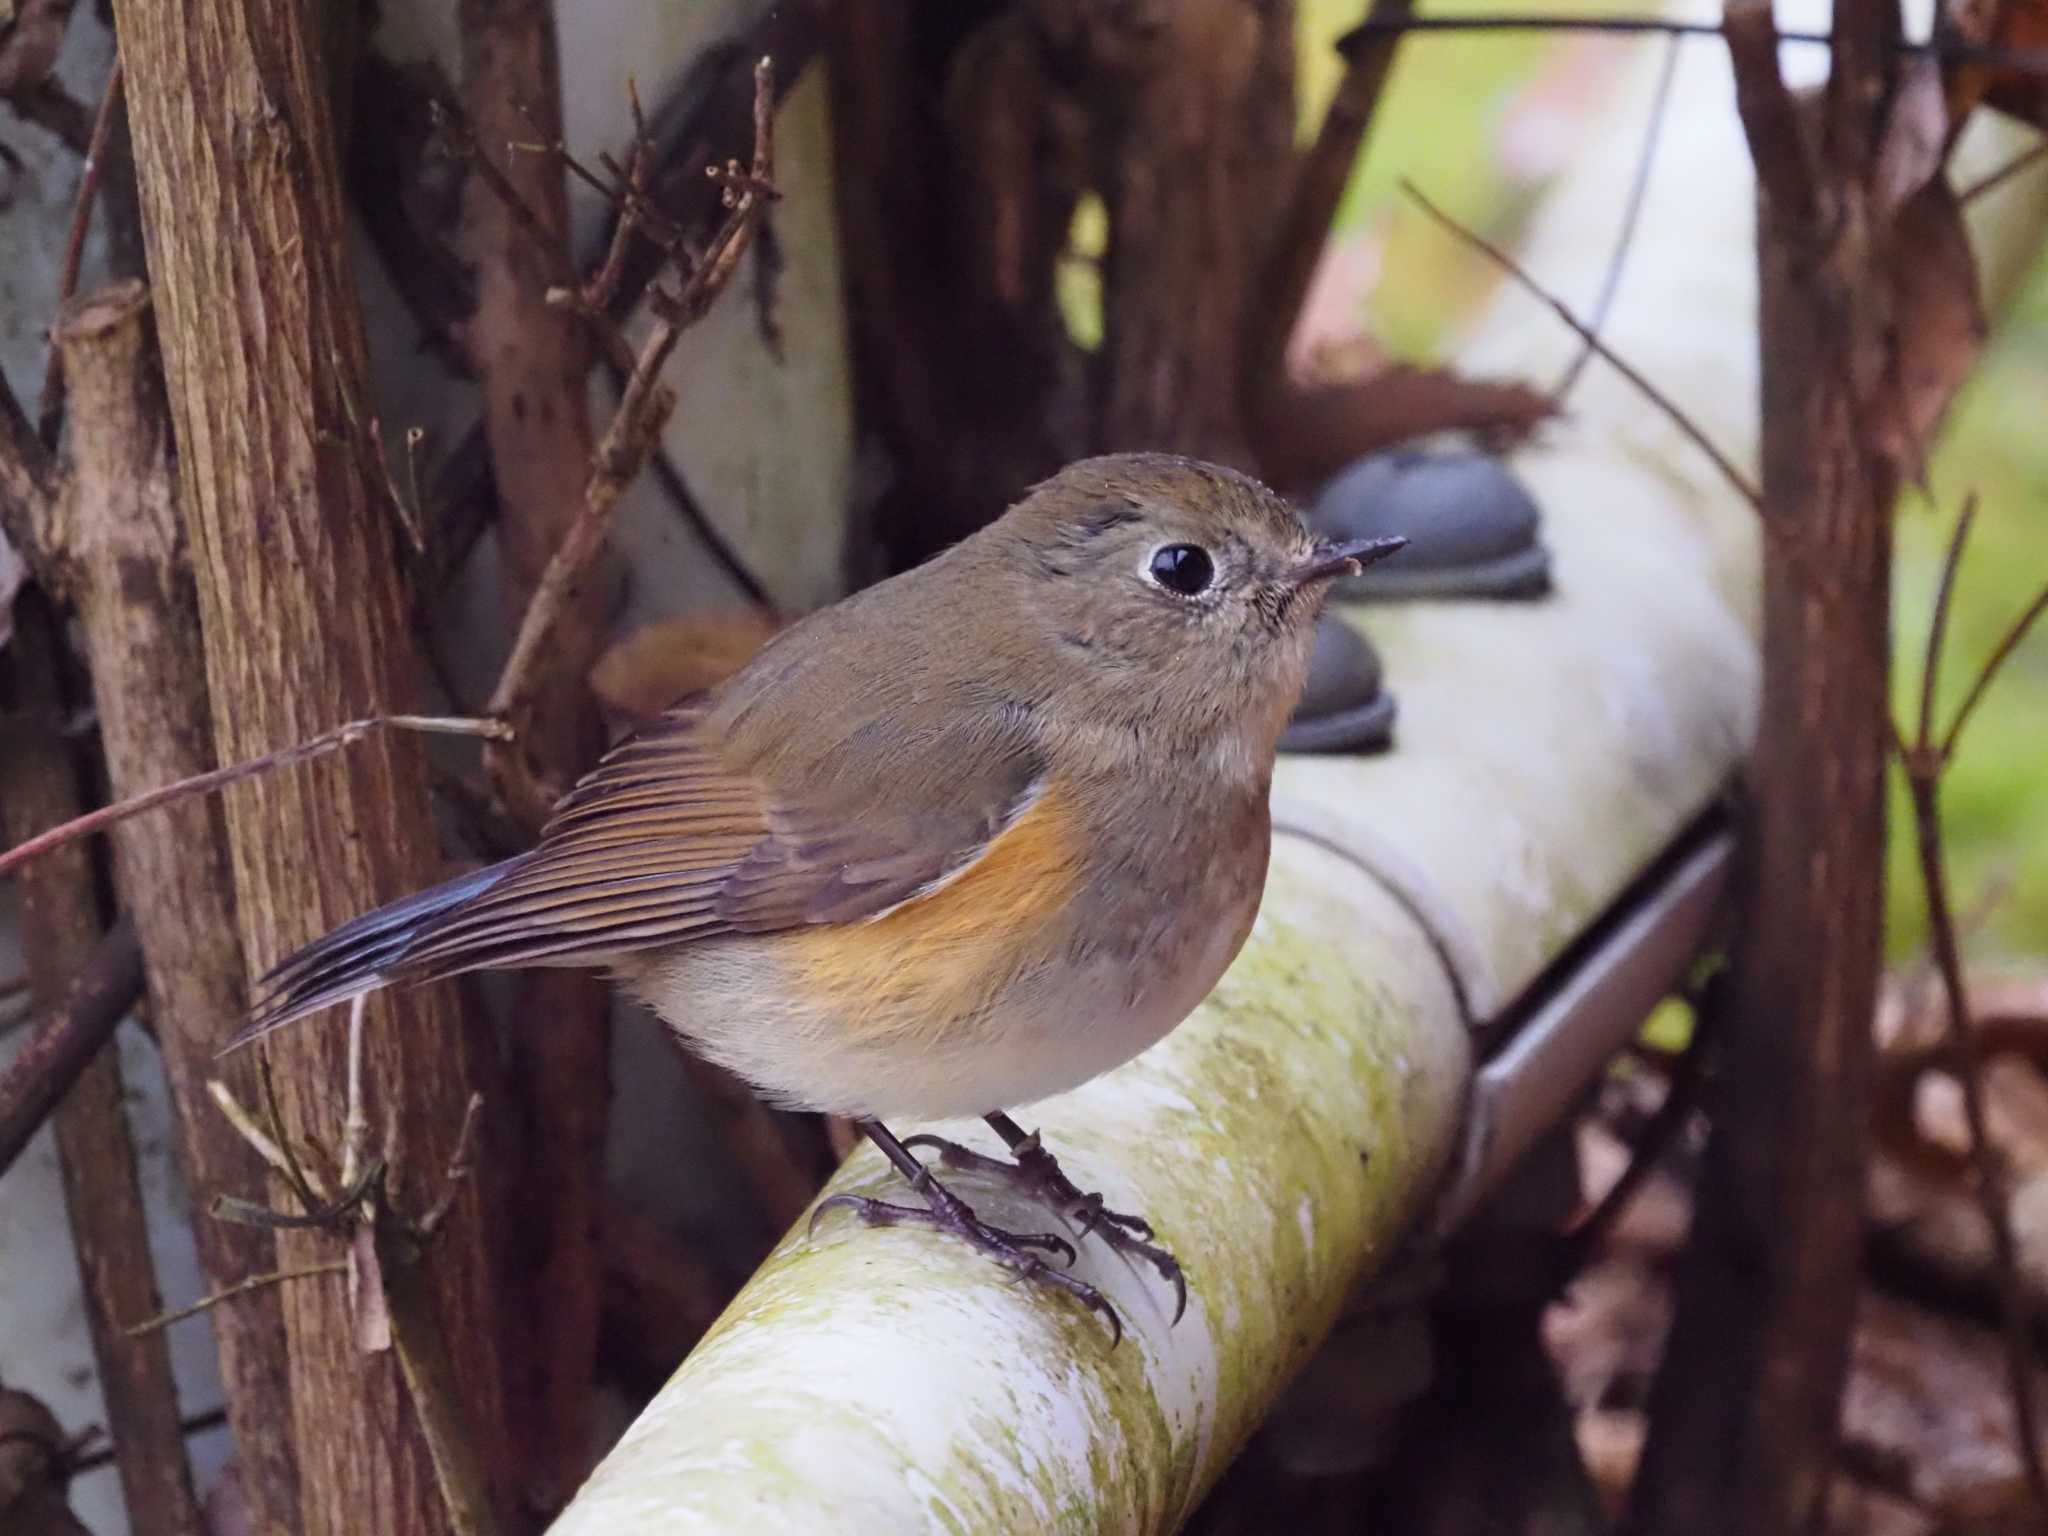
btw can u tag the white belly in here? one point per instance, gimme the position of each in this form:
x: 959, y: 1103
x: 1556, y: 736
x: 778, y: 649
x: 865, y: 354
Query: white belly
x: 1051, y: 1032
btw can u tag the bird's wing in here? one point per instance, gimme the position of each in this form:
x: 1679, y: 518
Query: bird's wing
x: 666, y: 841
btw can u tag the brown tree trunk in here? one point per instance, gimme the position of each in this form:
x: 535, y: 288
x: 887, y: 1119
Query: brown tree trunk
x: 533, y: 362
x: 1745, y: 1405
x: 1195, y: 112
x: 304, y: 627
x: 102, y: 1187
x: 966, y: 138
x: 122, y: 542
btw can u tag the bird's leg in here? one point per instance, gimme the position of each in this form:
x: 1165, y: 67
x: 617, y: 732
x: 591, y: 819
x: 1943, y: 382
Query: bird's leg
x: 946, y: 1212
x: 1038, y: 1173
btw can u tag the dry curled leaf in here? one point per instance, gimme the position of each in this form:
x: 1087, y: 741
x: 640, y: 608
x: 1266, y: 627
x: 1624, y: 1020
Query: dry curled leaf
x: 1938, y: 325
x: 659, y: 663
x: 1916, y: 134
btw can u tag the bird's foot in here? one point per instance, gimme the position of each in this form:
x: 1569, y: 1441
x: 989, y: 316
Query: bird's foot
x: 945, y: 1211
x: 1038, y: 1174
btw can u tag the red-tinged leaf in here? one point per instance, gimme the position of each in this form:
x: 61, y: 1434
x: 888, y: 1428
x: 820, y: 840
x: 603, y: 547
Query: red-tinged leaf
x: 1938, y: 325
x: 1916, y: 134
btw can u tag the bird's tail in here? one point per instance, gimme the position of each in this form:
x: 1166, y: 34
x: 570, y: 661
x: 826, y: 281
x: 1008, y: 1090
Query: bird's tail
x: 360, y: 956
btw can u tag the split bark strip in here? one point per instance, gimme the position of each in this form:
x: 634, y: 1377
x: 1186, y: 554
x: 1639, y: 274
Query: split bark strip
x: 533, y: 361
x: 121, y: 544
x: 1744, y: 1409
x: 302, y: 618
x: 102, y: 1187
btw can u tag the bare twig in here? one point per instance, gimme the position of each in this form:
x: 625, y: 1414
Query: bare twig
x: 1663, y: 402
x: 57, y: 112
x: 462, y: 137
x: 205, y: 783
x: 460, y: 1162
x: 1584, y: 1239
x: 239, y: 1288
x: 1770, y: 119
x: 50, y: 412
x: 628, y: 442
x: 46, y: 1067
x: 355, y: 1126
x: 1952, y: 50
x: 1937, y: 631
x: 1319, y: 183
x: 260, y: 1141
x: 405, y: 508
x: 1990, y: 181
x: 1638, y: 192
x: 1993, y: 664
x: 1925, y: 764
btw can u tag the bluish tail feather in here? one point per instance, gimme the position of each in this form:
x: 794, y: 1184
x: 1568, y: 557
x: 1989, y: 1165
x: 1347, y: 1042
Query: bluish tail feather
x: 359, y: 956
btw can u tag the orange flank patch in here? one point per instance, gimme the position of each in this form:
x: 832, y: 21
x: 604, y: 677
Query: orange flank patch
x: 934, y: 961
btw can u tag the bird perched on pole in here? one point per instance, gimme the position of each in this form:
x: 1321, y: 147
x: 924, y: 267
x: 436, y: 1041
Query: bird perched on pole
x: 964, y: 840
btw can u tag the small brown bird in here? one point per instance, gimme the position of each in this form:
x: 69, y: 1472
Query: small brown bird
x: 964, y: 840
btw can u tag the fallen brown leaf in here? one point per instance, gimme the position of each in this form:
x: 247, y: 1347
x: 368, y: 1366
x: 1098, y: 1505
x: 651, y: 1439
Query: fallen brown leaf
x: 659, y: 663
x: 1938, y: 325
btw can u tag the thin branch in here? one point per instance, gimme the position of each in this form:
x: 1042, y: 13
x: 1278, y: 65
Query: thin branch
x: 460, y: 1162
x: 355, y: 1125
x: 50, y: 411
x: 103, y: 1456
x: 1949, y: 50
x: 629, y: 441
x: 462, y: 137
x: 239, y: 1288
x: 57, y: 112
x: 1584, y: 1239
x: 219, y: 778
x: 2026, y: 159
x: 1650, y: 392
x: 1770, y: 120
x: 1923, y: 774
x: 1937, y: 631
x: 1638, y: 193
x: 1993, y: 664
x: 43, y: 1071
x: 1319, y: 183
x: 1924, y: 767
x: 245, y: 1125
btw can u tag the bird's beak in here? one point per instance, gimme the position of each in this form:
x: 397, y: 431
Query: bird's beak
x: 1347, y: 558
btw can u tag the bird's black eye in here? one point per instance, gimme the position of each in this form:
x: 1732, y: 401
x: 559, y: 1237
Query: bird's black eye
x: 1183, y: 568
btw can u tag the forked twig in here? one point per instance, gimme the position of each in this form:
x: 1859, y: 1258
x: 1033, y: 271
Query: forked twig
x: 1663, y: 402
x: 230, y: 1292
x: 628, y: 442
x: 1925, y: 763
